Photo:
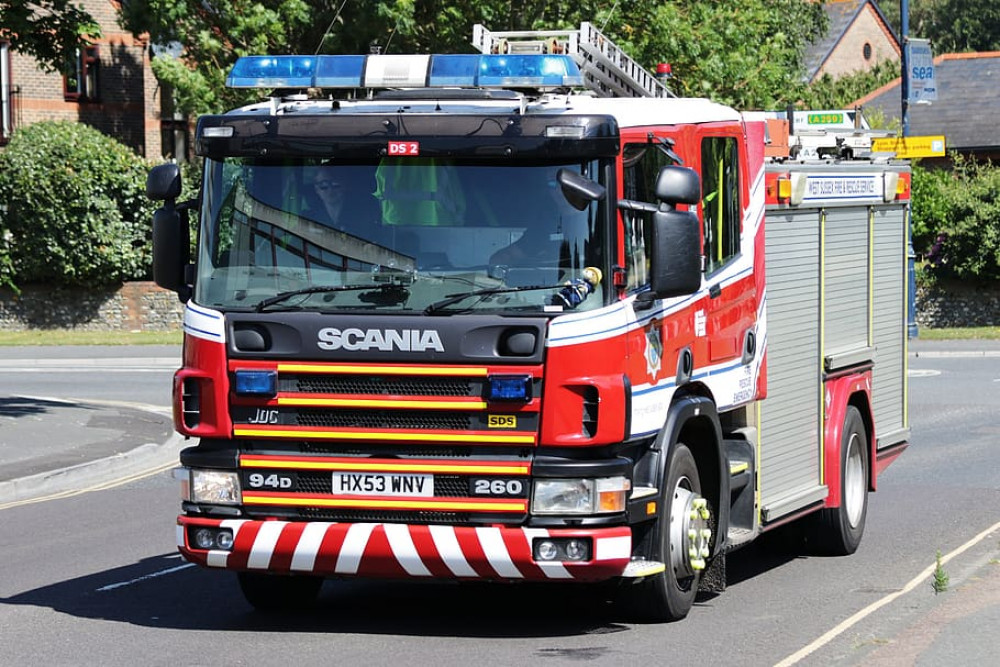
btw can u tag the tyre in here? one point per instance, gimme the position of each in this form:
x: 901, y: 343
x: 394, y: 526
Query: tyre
x: 273, y: 592
x: 839, y: 529
x: 681, y: 542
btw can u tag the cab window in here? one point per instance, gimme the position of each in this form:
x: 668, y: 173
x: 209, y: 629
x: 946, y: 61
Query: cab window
x: 642, y: 164
x: 720, y: 201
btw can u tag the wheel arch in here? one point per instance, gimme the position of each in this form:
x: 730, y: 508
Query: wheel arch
x: 850, y: 390
x: 694, y: 420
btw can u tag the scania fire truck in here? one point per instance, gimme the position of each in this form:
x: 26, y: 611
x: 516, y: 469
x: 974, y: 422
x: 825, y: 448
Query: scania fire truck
x: 515, y: 316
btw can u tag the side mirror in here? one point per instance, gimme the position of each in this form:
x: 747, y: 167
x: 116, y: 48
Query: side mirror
x: 675, y: 266
x: 675, y: 262
x: 164, y: 182
x: 579, y: 190
x: 171, y: 243
x: 678, y: 185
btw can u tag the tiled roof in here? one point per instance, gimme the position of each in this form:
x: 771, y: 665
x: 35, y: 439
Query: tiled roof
x: 966, y: 108
x: 841, y: 14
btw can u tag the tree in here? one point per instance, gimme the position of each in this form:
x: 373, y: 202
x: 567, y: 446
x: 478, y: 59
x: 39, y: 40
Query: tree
x: 48, y: 30
x: 830, y: 93
x: 748, y: 54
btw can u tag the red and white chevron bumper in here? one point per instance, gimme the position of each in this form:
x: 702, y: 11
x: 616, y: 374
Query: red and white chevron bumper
x: 380, y: 550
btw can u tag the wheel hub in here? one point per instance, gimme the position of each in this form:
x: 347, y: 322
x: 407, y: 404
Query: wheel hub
x: 690, y: 534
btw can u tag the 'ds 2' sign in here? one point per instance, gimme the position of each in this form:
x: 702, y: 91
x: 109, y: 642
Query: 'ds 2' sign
x: 404, y: 148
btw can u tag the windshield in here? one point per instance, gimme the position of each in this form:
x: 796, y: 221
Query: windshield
x: 401, y: 234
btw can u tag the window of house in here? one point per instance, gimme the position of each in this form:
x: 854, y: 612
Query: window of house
x: 80, y: 77
x: 6, y: 113
x: 720, y: 201
x: 866, y: 51
x: 642, y: 164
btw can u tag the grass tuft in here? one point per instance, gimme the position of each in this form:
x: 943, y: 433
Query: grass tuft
x: 74, y: 337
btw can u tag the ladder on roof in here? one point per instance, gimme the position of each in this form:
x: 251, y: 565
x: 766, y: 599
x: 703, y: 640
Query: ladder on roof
x: 607, y: 70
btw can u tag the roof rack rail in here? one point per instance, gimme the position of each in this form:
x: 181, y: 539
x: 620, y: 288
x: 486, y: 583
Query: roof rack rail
x: 607, y: 70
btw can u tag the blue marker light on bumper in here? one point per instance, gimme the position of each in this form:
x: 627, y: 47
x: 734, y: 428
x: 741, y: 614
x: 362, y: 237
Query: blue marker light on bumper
x: 509, y: 388
x: 256, y: 383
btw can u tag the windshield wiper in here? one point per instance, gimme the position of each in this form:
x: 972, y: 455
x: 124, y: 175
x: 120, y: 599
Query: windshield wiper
x: 452, y: 299
x: 315, y: 289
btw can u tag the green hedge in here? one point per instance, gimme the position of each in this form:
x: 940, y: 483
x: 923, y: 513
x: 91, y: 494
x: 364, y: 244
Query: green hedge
x: 956, y: 221
x: 73, y: 209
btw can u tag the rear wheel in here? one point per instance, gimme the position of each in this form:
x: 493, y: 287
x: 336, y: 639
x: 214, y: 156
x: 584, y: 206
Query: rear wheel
x: 840, y: 529
x: 273, y: 592
x: 681, y: 543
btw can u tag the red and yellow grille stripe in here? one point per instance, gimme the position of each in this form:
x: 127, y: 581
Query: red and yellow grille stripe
x: 524, y: 438
x: 360, y: 369
x: 302, y: 401
x: 385, y: 465
x: 369, y: 502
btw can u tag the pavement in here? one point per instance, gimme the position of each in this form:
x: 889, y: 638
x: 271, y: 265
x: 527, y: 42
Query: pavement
x: 111, y: 439
x: 115, y: 440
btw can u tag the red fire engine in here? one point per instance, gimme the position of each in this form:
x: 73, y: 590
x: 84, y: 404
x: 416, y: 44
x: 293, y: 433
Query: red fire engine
x: 478, y: 324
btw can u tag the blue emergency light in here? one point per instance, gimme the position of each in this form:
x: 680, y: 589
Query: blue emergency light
x: 509, y: 388
x: 256, y: 383
x: 398, y: 71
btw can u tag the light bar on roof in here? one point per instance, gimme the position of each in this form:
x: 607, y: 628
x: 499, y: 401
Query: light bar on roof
x: 396, y: 71
x: 272, y: 72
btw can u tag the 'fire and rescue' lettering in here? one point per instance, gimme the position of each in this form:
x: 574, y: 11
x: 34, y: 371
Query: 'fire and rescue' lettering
x: 385, y: 340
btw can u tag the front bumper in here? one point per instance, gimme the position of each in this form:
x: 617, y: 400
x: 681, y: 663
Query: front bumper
x: 384, y: 550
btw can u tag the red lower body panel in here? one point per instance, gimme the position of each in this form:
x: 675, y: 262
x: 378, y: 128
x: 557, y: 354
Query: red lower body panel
x: 381, y: 550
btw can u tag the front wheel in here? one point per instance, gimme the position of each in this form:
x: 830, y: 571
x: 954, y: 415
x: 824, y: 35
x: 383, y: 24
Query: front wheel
x: 839, y: 529
x: 681, y: 544
x: 274, y: 592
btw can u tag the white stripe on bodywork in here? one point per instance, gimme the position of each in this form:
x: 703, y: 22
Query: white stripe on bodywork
x: 451, y: 553
x: 354, y: 548
x: 551, y: 569
x: 496, y: 553
x: 263, y: 545
x: 405, y: 551
x: 304, y: 558
x: 206, y: 323
x: 611, y: 548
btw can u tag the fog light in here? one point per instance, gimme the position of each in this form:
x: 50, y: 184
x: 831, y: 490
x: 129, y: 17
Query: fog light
x: 576, y: 550
x: 224, y: 540
x: 546, y: 550
x: 204, y: 538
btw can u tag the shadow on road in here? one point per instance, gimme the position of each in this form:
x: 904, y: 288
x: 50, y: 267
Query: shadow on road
x: 23, y: 406
x: 166, y: 592
x: 190, y: 598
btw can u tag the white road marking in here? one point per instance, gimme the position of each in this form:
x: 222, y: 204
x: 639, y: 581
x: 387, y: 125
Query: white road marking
x: 121, y: 584
x: 878, y: 604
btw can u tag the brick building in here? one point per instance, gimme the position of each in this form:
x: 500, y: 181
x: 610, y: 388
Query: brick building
x: 858, y: 37
x: 110, y: 87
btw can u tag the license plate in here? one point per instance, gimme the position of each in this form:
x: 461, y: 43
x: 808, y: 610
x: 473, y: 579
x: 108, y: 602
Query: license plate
x: 382, y: 484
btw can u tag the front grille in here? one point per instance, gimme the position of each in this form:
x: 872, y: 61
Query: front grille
x: 408, y: 451
x: 382, y: 385
x: 385, y: 419
x: 374, y: 516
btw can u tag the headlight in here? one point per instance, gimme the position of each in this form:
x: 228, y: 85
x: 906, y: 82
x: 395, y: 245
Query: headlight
x: 215, y: 487
x: 603, y: 495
